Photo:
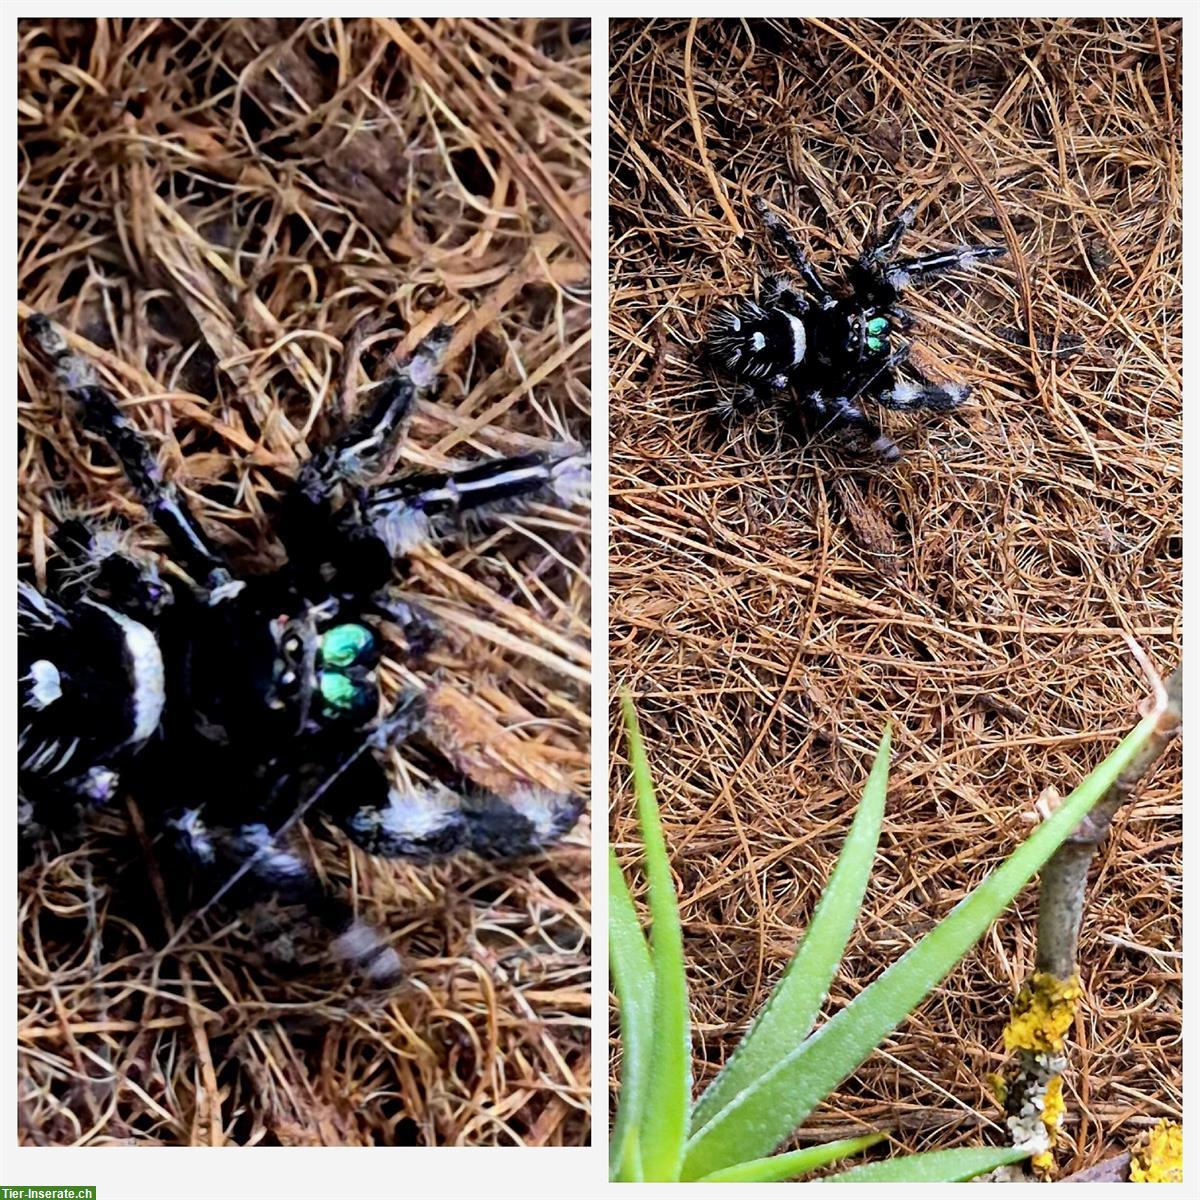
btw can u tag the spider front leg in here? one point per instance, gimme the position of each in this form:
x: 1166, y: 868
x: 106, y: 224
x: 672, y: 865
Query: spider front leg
x: 433, y: 821
x: 432, y: 507
x: 904, y: 273
x: 369, y: 438
x: 902, y: 396
x: 160, y: 497
x: 844, y: 412
x: 881, y: 249
x: 792, y: 248
x: 252, y: 858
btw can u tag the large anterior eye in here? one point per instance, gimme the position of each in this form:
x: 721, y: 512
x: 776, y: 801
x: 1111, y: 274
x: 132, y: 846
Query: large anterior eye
x: 343, y: 695
x: 345, y: 645
x: 876, y: 328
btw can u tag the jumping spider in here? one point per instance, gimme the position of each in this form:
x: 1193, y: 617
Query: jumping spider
x: 833, y: 351
x: 235, y: 706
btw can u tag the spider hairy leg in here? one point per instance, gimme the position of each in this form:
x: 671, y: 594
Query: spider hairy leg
x: 368, y: 439
x: 426, y: 508
x: 274, y: 869
x: 907, y: 271
x: 795, y: 252
x: 98, y: 563
x: 776, y: 291
x: 741, y: 399
x: 843, y: 412
x: 433, y: 821
x: 161, y: 498
x: 904, y: 396
x: 428, y: 821
x: 881, y: 249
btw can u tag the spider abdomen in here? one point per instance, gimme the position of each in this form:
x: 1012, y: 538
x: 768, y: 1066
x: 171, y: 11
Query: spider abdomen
x: 755, y: 343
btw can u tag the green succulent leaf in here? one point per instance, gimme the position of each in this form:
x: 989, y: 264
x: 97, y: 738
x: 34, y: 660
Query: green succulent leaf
x: 788, y: 1016
x: 794, y: 1164
x: 936, y: 1166
x: 633, y: 981
x: 667, y: 1102
x: 766, y: 1112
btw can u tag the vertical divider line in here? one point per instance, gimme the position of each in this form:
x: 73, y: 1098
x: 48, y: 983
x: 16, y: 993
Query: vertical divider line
x: 600, y: 676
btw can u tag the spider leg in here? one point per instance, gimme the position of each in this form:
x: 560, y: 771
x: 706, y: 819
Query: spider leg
x: 778, y: 292
x: 903, y: 396
x: 96, y: 563
x: 424, y: 508
x: 368, y: 439
x: 880, y: 249
x: 907, y: 271
x: 274, y: 869
x: 161, y: 498
x: 844, y: 412
x: 740, y: 399
x: 432, y: 821
x: 787, y: 243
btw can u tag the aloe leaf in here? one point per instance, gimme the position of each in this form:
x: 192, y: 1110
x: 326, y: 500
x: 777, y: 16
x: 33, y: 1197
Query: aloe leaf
x: 937, y: 1166
x: 793, y: 1164
x: 665, y: 1107
x: 787, y: 1017
x: 764, y: 1113
x: 633, y: 981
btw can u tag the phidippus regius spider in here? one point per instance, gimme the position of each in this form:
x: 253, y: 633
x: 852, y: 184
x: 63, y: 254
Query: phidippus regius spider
x: 833, y: 352
x: 235, y: 706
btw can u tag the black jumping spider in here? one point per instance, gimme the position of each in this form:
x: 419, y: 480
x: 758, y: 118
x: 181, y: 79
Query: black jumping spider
x: 831, y: 351
x: 236, y: 706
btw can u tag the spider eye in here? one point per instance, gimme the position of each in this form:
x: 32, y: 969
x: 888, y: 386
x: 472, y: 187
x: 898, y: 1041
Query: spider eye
x: 877, y: 326
x: 344, y: 645
x: 341, y: 693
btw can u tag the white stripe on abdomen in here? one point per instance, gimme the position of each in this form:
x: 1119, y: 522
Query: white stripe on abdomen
x: 147, y: 676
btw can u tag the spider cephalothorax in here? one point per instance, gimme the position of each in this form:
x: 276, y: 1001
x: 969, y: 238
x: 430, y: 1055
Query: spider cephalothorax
x: 239, y: 704
x: 830, y: 351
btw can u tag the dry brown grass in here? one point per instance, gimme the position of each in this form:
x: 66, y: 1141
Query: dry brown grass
x: 773, y: 603
x: 214, y: 209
